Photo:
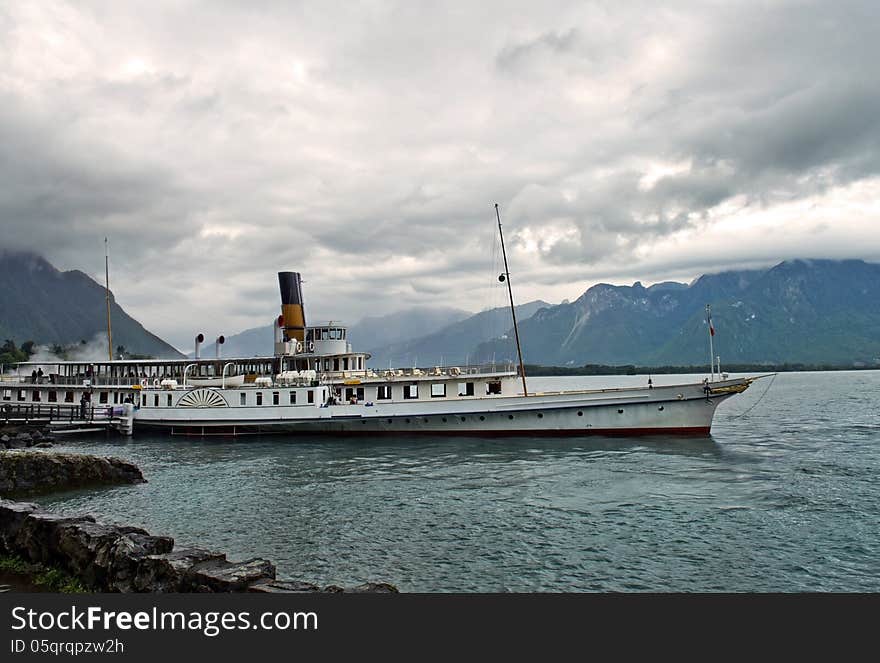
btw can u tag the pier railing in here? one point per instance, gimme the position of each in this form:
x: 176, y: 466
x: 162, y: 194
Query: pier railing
x: 30, y: 412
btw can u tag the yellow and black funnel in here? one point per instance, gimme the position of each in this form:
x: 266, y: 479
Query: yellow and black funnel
x: 292, y: 306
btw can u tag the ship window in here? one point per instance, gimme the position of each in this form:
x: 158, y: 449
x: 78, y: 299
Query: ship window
x: 293, y: 398
x: 465, y: 388
x: 383, y: 392
x: 360, y: 393
x: 326, y: 364
x: 323, y: 334
x: 68, y: 397
x: 53, y: 396
x: 411, y: 391
x: 168, y: 400
x: 438, y: 390
x: 275, y: 397
x: 259, y: 398
x: 493, y: 387
x: 336, y: 364
x: 22, y: 394
x: 7, y: 394
x: 36, y: 397
x: 311, y: 397
x: 242, y: 399
x: 345, y: 363
x: 102, y: 397
x: 155, y: 400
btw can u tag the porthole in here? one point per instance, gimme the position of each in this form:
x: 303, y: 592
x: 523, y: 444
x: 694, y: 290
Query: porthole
x: 510, y: 416
x: 464, y: 419
x: 620, y: 411
x: 425, y: 420
x: 444, y: 420
x: 389, y: 421
x: 540, y: 415
x: 482, y: 418
x: 407, y: 421
x: 363, y: 421
x: 580, y: 414
x: 660, y: 408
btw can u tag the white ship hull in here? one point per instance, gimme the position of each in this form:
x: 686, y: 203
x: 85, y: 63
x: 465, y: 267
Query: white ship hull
x: 679, y: 409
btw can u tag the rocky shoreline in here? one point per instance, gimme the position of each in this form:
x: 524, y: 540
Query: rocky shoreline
x: 24, y: 436
x: 117, y: 558
x: 114, y: 558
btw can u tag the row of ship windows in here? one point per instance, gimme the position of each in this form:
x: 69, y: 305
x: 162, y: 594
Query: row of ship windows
x: 56, y: 396
x: 357, y: 364
x: 243, y: 398
x: 383, y: 393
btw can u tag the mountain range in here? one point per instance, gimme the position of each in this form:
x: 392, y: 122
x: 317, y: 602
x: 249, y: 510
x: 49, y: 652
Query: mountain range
x: 48, y: 306
x: 807, y: 311
x: 798, y: 311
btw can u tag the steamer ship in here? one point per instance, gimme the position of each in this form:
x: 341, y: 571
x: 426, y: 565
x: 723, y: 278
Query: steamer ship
x: 316, y: 383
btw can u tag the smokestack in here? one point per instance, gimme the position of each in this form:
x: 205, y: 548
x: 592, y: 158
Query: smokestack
x: 199, y: 340
x: 220, y: 341
x: 292, y: 306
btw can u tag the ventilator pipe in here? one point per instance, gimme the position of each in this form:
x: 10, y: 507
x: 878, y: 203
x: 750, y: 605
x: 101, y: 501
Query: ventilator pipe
x: 199, y: 340
x: 219, y: 342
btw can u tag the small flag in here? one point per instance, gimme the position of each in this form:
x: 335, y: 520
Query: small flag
x: 711, y: 326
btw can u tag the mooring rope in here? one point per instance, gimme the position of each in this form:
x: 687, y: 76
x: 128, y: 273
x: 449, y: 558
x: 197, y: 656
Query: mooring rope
x: 760, y: 398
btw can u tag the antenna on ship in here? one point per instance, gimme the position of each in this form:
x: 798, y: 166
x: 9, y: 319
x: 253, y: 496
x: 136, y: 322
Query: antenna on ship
x: 107, y: 281
x: 506, y: 277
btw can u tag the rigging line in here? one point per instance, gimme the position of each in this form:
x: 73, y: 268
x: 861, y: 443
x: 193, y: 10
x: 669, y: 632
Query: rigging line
x: 760, y: 398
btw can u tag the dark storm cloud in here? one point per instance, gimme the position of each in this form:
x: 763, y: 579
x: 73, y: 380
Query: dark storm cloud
x: 365, y: 145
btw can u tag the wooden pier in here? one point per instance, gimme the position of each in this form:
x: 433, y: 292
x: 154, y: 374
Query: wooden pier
x: 67, y: 419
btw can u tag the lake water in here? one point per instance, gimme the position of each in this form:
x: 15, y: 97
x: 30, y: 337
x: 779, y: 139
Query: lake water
x: 783, y: 497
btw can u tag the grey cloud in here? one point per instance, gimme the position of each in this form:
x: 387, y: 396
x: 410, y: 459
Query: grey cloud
x: 365, y: 145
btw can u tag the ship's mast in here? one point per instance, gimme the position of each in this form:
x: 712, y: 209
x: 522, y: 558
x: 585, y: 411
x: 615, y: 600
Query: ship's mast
x: 107, y: 281
x: 506, y: 277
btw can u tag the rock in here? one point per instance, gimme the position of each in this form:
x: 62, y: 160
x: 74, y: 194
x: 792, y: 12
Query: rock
x: 36, y: 436
x: 167, y: 572
x: 117, y: 558
x: 23, y: 436
x: 12, y: 516
x: 43, y: 445
x: 32, y: 472
x: 374, y: 588
x: 15, y: 443
x: 4, y: 438
x: 282, y: 587
x: 224, y: 576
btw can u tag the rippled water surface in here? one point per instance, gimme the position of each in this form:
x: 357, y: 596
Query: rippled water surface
x: 783, y: 497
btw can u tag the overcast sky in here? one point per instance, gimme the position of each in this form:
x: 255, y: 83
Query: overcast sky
x: 364, y: 144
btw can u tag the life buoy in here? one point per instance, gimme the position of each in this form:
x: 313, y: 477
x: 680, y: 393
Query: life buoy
x: 299, y: 346
x: 455, y: 370
x: 156, y: 382
x: 311, y: 346
x: 144, y: 382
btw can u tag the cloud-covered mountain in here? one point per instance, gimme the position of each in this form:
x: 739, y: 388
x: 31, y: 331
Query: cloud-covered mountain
x: 39, y: 303
x: 810, y: 311
x: 451, y: 344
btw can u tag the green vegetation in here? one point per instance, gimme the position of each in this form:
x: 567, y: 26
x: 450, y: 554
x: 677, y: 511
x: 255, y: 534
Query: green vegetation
x: 630, y: 369
x: 10, y: 354
x: 53, y: 579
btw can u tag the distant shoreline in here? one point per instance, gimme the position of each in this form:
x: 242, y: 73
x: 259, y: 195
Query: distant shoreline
x: 535, y: 370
